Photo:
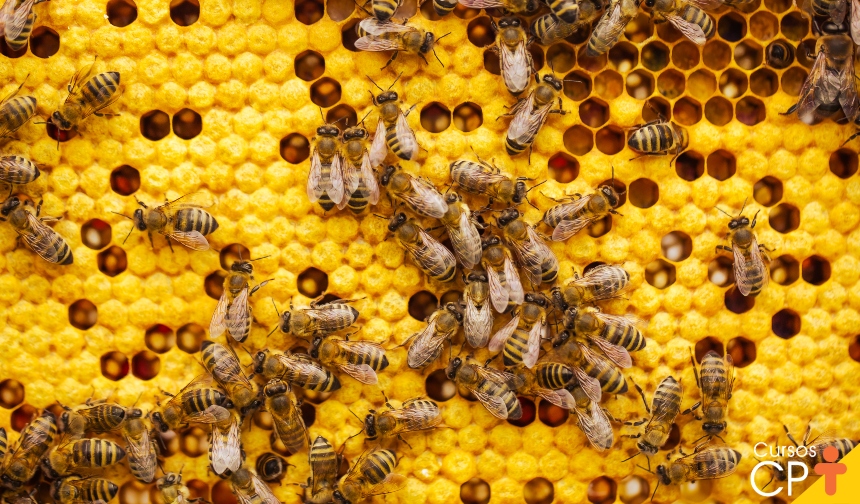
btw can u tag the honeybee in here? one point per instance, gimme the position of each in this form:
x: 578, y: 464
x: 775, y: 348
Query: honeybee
x: 658, y: 138
x: 417, y: 414
x: 779, y: 54
x: 426, y: 346
x: 23, y: 459
x: 87, y: 96
x: 417, y: 192
x: 375, y: 35
x: 492, y: 387
x: 360, y: 182
x: 534, y: 383
x: 185, y: 222
x: 296, y: 369
x: 372, y: 474
x: 665, y: 406
x: 197, y: 402
x: 271, y: 467
x: 532, y: 253
x: 516, y: 61
x: 321, y: 319
x: 224, y: 366
x: 18, y: 19
x: 693, y: 22
x: 548, y: 28
x: 173, y: 491
x: 359, y: 359
x: 323, y: 462
x: 566, y: 10
x: 15, y: 111
x: 616, y: 335
x: 141, y: 449
x: 593, y: 372
x: 715, y: 383
x: 17, y: 170
x: 592, y: 420
x: 233, y: 312
x: 392, y: 130
x: 569, y: 218
x: 834, y: 10
x: 506, y: 290
x: 751, y: 260
x: 477, y: 315
x: 525, y: 7
x: 818, y: 445
x: 611, y: 26
x: 462, y: 231
x: 601, y: 282
x: 250, y: 489
x: 325, y: 180
x: 76, y: 490
x: 97, y: 416
x: 286, y: 415
x: 225, y: 446
x: 429, y: 255
x: 531, y: 113
x: 384, y: 9
x: 709, y: 463
x: 86, y: 453
x: 481, y: 178
x: 830, y: 84
x: 44, y: 241
x: 521, y: 337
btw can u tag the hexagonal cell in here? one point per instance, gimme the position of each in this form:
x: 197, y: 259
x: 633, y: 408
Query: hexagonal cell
x: 843, y: 163
x: 610, y: 139
x: 339, y: 10
x: 561, y: 57
x: 600, y: 227
x: 721, y: 164
x: 194, y: 442
x: 295, y: 148
x: 114, y: 365
x: 784, y: 270
x: 232, y: 253
x: 794, y: 26
x: 189, y: 337
x: 806, y: 53
x: 96, y: 234
x: 480, y: 32
x: 309, y: 414
x: 602, y: 490
x: 786, y: 323
x: 187, y: 124
x: 422, y: 304
x: 608, y: 84
x: 721, y: 272
x: 439, y: 387
x: 660, y: 273
x: 716, y: 54
x: 750, y: 111
x: 690, y: 165
x: 493, y: 64
x: 702, y: 84
x: 349, y: 34
x: 452, y: 296
x: 778, y: 6
x: 815, y: 270
x: 784, y: 218
x: 155, y: 125
x: 213, y: 284
x: 578, y: 140
x: 563, y: 167
x: 705, y: 345
x: 671, y: 84
x: 11, y: 393
x: 779, y: 54
x: 768, y: 191
x: 687, y: 111
x: 160, y: 338
x: 737, y: 302
x: 312, y: 282
x: 343, y: 116
x: 640, y: 84
x: 112, y: 261
x: 435, y: 117
x: 634, y: 490
x: 718, y: 111
x: 656, y: 108
x: 44, y: 42
x: 643, y: 193
x: 185, y: 12
x: 325, y: 92
x: 529, y: 412
x: 125, y: 180
x: 83, y: 314
x: 732, y: 27
x: 749, y: 55
x: 676, y: 246
x: 538, y: 491
x: 310, y: 65
x: 623, y: 56
x: 475, y: 491
x: 655, y: 56
x: 792, y: 80
x: 577, y: 85
x: 145, y: 365
x: 468, y: 117
x: 685, y: 55
x: 464, y: 12
x: 552, y: 415
x: 537, y: 56
x: 594, y: 112
x: 591, y: 64
x: 639, y: 29
x: 309, y: 11
x: 733, y: 83
x: 764, y: 82
x: 121, y: 13
x: 668, y: 33
x: 764, y: 26
x: 742, y: 350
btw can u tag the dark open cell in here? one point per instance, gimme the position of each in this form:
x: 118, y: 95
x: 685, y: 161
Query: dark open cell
x: 623, y: 56
x: 701, y: 84
x: 843, y: 163
x: 578, y: 140
x: 686, y: 55
x: 155, y: 125
x: 655, y: 56
x: 295, y: 148
x: 44, y: 42
x: 610, y: 139
x: 475, y: 491
x: 23, y: 416
x: 591, y: 64
x: 643, y: 193
x: 552, y: 415
x: 708, y: 344
x: 690, y: 166
x: 325, y: 92
x: 764, y: 82
x: 343, y: 116
x: 310, y: 65
x: 742, y: 350
x: 784, y: 218
x: 806, y: 53
x: 537, y: 56
x: 718, y: 111
x: 577, y: 85
x: 189, y: 337
x: 732, y: 27
x: 114, y: 365
x: 422, y: 304
x: 737, y: 302
x: 600, y: 227
x: 768, y: 191
x: 83, y: 314
x: 660, y: 274
x: 214, y: 284
x: 451, y: 296
x: 309, y: 11
x: 435, y: 117
x: 145, y: 365
x: 668, y: 33
x: 492, y: 62
x: 716, y: 54
x: 538, y: 491
x: 749, y: 55
x: 185, y: 12
x: 312, y: 282
x: 309, y: 414
x: 96, y: 234
x: 676, y: 246
x: 339, y: 10
x: 733, y: 83
x: 563, y: 167
x: 348, y: 35
x: 160, y: 338
x: 785, y: 323
x: 721, y: 272
x: 121, y: 13
x: 674, y: 438
x: 11, y: 393
x: 529, y: 412
x: 480, y: 32
x: 792, y: 80
x: 640, y: 84
x: 854, y: 349
x: 439, y: 387
x: 608, y: 85
x: 468, y: 116
x: 639, y: 29
x: 187, y: 124
x: 815, y: 270
x: 721, y: 164
x: 602, y: 490
x: 671, y: 84
x: 687, y: 111
x: 232, y: 253
x: 112, y: 261
x: 750, y: 111
x: 784, y: 270
x: 794, y: 26
x: 764, y: 25
x: 125, y: 180
x: 656, y: 108
x: 561, y: 57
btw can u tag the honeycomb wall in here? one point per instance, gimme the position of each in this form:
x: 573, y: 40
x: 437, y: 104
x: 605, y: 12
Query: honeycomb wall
x: 223, y: 98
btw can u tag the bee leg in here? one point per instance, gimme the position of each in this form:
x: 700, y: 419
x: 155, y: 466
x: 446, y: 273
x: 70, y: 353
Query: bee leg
x: 649, y: 154
x: 393, y: 57
x: 616, y: 212
x: 691, y: 409
x: 790, y: 437
x: 404, y: 441
x: 723, y: 250
x: 695, y: 371
x: 635, y: 424
x: 642, y: 394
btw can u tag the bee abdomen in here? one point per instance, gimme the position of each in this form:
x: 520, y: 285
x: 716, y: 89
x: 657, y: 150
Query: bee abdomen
x: 358, y: 199
x: 195, y: 219
x: 198, y: 400
x: 723, y: 461
x: 566, y: 10
x: 384, y: 9
x: 44, y: 426
x: 107, y: 417
x: 96, y: 453
x: 514, y: 348
x: 379, y: 465
x: 17, y: 111
x: 100, y: 88
x: 444, y: 7
x: 20, y: 42
x: 27, y: 170
x: 843, y: 446
x: 293, y: 436
x: 699, y: 17
x: 624, y: 336
x: 394, y: 143
x: 513, y: 147
x: 553, y: 375
x: 95, y: 489
x: 653, y: 138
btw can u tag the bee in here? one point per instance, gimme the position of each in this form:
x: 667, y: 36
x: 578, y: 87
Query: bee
x: 376, y: 35
x: 417, y: 414
x: 426, y: 345
x: 360, y: 182
x: 779, y: 54
x: 715, y: 383
x: 384, y: 9
x: 516, y: 61
x: 531, y: 113
x: 693, y: 22
x: 286, y: 415
x: 197, y: 402
x: 616, y: 335
x: 830, y: 85
x: 359, y: 359
x: 548, y: 28
x: 18, y: 18
x: 225, y: 446
x: 543, y: 381
x: 429, y: 255
x: 76, y: 490
x: 325, y: 180
x: 224, y: 366
x: 87, y: 96
x: 709, y: 463
x: 41, y: 239
x: 481, y: 178
x: 323, y: 462
x: 477, y: 315
x: 141, y: 449
x: 592, y: 420
x: 372, y: 474
x: 525, y: 7
x: 462, y: 231
x: 665, y: 406
x: 611, y: 26
x: 492, y: 387
x: 532, y: 253
x: 233, y: 312
x: 521, y: 337
x: 572, y: 216
x: 834, y: 10
x: 658, y: 138
x: 444, y: 7
x: 605, y: 281
x: 22, y: 460
x: 250, y: 489
x: 506, y: 290
x: 185, y: 222
x: 17, y: 170
x: 15, y: 111
x: 818, y: 445
x: 417, y: 192
x: 296, y: 369
x: 85, y: 453
x: 392, y: 130
x: 321, y: 319
x: 173, y: 491
x: 97, y: 416
x: 566, y: 10
x: 593, y: 372
x: 751, y: 260
x: 271, y: 467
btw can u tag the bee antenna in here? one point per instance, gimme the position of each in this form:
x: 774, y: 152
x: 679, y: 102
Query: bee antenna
x: 122, y: 214
x: 437, y: 56
x: 721, y: 210
x: 744, y: 206
x: 536, y: 185
x: 356, y: 416
x: 658, y: 486
x: 374, y: 83
x: 395, y: 81
x: 257, y: 259
x: 443, y: 36
x: 365, y: 117
x: 613, y: 175
x: 276, y: 308
x: 380, y: 216
x: 321, y: 115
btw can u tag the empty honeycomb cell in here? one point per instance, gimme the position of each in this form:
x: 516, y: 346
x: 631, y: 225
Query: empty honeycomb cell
x: 702, y: 84
x: 655, y: 56
x: 806, y: 53
x: 552, y: 415
x: 843, y: 163
x: 563, y: 167
x: 11, y: 393
x: 764, y: 82
x: 690, y: 165
x: 705, y: 345
x: 468, y: 117
x: 295, y: 148
x: 232, y: 253
x: 561, y: 57
x: 309, y: 414
x: 309, y: 11
x: 114, y: 365
x: 623, y: 56
x: 602, y: 490
x: 480, y: 32
x: 214, y: 284
x: 660, y: 274
x: 750, y: 111
x: 608, y: 84
x: 439, y: 387
x: 854, y: 349
x: 716, y: 54
x: 768, y: 191
x: 732, y: 27
x: 312, y: 283
x: 784, y: 270
x: 121, y: 13
x: 784, y: 218
x: 160, y: 338
x: 145, y: 365
x: 764, y: 26
x: 749, y: 55
x: 640, y: 84
x: 187, y: 124
x: 785, y: 323
x: 720, y: 271
x: 721, y: 164
x: 742, y: 350
x: 589, y: 63
x: 634, y: 490
x: 475, y: 491
x: 189, y: 337
x: 594, y: 112
x: 643, y: 193
x: 125, y: 180
x: 155, y: 125
x: 342, y: 115
x: 185, y: 12
x: 687, y: 111
x: 339, y: 10
x: 452, y: 296
x: 610, y: 140
x: 529, y: 412
x: 686, y: 55
x: 96, y: 234
x: 815, y: 270
x: 718, y: 111
x: 733, y: 83
x: 737, y: 302
x: 577, y: 85
x: 325, y: 92
x: 676, y: 246
x: 794, y: 26
x: 578, y: 140
x: 778, y: 6
x: 112, y: 261
x: 83, y: 314
x: 44, y: 42
x: 348, y: 35
x: 492, y: 62
x: 671, y: 84
x: 435, y: 117
x: 656, y: 108
x: 639, y: 29
x: 538, y: 491
x: 668, y: 33
x: 422, y: 304
x: 792, y: 80
x: 309, y: 65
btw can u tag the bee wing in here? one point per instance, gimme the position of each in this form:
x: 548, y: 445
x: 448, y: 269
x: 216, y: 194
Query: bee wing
x: 466, y: 241
x: 527, y: 121
x: 569, y: 227
x: 191, y: 239
x: 335, y: 187
x: 707, y: 4
x: 740, y: 267
x: 529, y: 260
x: 392, y: 483
x: 264, y: 493
x: 589, y: 385
x: 838, y: 11
x: 482, y: 4
x: 494, y: 404
x: 226, y: 450
x: 374, y: 26
x: 628, y: 319
x: 596, y: 428
x: 351, y: 178
x: 708, y: 464
x: 497, y: 375
x: 17, y: 20
x: 516, y: 66
x: 855, y: 21
x: 477, y: 322
x: 610, y: 26
x: 314, y: 178
x: 303, y: 365
x: 413, y: 419
x: 498, y: 293
x: 374, y: 43
x: 425, y: 346
x: 143, y: 453
x: 426, y: 199
x: 408, y: 143
x: 379, y: 148
x: 212, y: 414
x: 690, y: 30
x: 848, y: 97
x: 515, y: 287
x: 217, y: 325
x: 502, y: 335
x: 808, y: 104
x: 617, y: 354
x: 530, y: 356
x: 433, y: 256
x: 41, y: 240
x: 561, y: 397
x: 598, y: 278
x: 541, y: 251
x: 361, y: 372
x: 369, y: 177
x: 238, y: 315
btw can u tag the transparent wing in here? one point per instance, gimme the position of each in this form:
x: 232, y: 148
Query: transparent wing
x: 528, y: 121
x: 413, y: 419
x: 502, y: 335
x: 709, y: 463
x: 238, y: 315
x: 425, y: 199
x: 610, y: 26
x: 432, y: 257
x: 838, y: 10
x: 807, y: 105
x: 300, y: 365
x: 662, y: 409
x: 217, y: 325
x: 378, y: 149
x: 617, y: 354
x: 589, y: 385
x: 541, y: 250
x: 482, y: 4
x: 596, y: 428
x: 12, y: 168
x: 374, y: 44
x: 690, y: 30
x: 498, y: 293
x: 212, y: 414
x: 40, y: 240
x: 406, y: 137
x: 314, y: 177
x: 494, y: 404
x: 361, y: 372
x: 561, y: 398
x: 529, y: 259
x: 530, y: 356
x: 603, y: 281
x: 392, y: 483
x: 335, y: 187
x: 515, y: 287
x: 425, y: 346
x: 143, y: 453
x: 16, y: 22
x: 707, y: 4
x: 478, y: 323
x: 191, y: 239
x: 369, y: 179
x: 848, y: 91
x: 497, y: 375
x: 574, y: 225
x: 351, y: 178
x: 466, y: 241
x: 855, y: 21
x: 374, y: 26
x: 516, y: 66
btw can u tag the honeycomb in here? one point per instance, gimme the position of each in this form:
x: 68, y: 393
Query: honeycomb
x: 224, y: 97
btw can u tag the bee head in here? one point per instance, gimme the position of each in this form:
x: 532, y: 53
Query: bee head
x: 386, y: 175
x: 285, y: 322
x: 138, y: 219
x: 328, y: 130
x: 255, y: 404
x: 48, y: 469
x: 396, y: 221
x: 650, y: 3
x: 647, y: 448
x: 453, y: 366
x: 9, y: 482
x: 452, y: 198
x: 159, y: 422
x: 353, y: 133
x: 427, y: 45
x: 452, y: 309
x: 553, y: 81
x: 339, y: 498
x: 315, y: 347
x: 538, y: 299
x: 510, y: 21
x: 476, y: 277
x: 519, y: 192
x: 55, y: 488
x: 242, y: 267
x: 508, y: 216
x: 275, y: 387
x: 60, y: 121
x: 663, y: 475
x: 134, y: 413
x: 831, y: 28
x: 9, y: 205
x: 386, y: 96
x: 532, y: 7
x: 370, y: 426
x: 168, y: 480
x: 611, y: 195
x: 489, y: 242
x: 561, y: 339
x: 259, y: 359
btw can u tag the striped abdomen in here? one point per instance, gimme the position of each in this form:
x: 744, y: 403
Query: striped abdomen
x: 15, y: 113
x: 714, y: 379
x: 95, y: 489
x: 47, y: 243
x: 323, y: 459
x: 610, y: 378
x: 653, y: 138
x: 716, y: 462
x: 325, y: 181
x: 444, y: 7
x: 552, y: 375
x: 699, y: 17
x: 824, y: 7
x: 600, y: 40
x: 468, y: 175
x: 561, y: 212
x: 514, y: 147
x: 96, y: 452
x: 515, y: 346
x: 512, y: 404
x: 566, y: 10
x: 311, y: 381
x: 394, y: 143
x: 198, y: 400
x: 623, y: 335
x: 384, y: 9
x: 373, y: 357
x: 756, y: 273
x: 100, y: 89
x: 667, y: 399
x: 378, y: 465
x: 358, y: 199
x: 18, y: 170
x: 549, y: 268
x: 291, y: 433
x: 195, y: 219
x: 40, y: 434
x: 842, y: 445
x: 103, y: 417
x: 20, y: 42
x: 4, y: 443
